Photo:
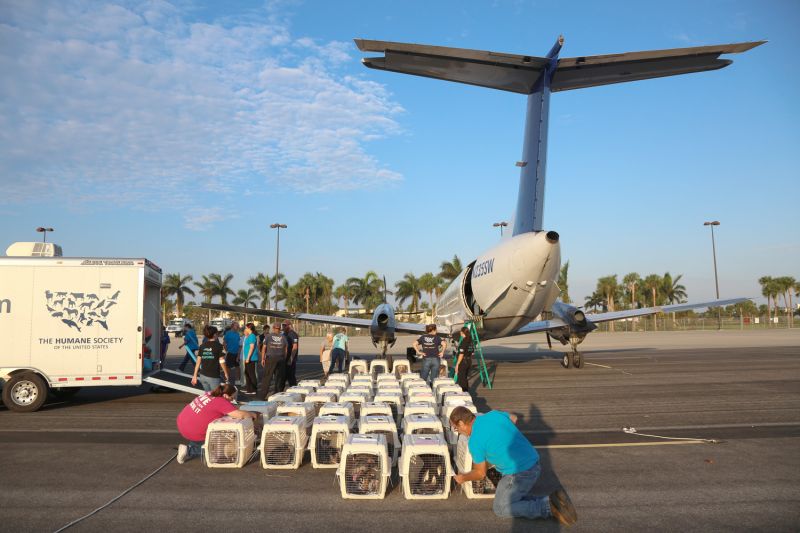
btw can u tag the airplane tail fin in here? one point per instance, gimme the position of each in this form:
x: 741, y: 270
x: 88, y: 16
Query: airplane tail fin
x: 537, y: 77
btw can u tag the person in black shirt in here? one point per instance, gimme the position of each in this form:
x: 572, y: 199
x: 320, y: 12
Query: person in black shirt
x: 464, y: 361
x: 292, y: 343
x: 433, y: 348
x: 273, y: 359
x: 210, y: 361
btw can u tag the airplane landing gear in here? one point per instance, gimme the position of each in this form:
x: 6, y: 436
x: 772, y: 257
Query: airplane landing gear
x: 575, y: 358
x: 566, y: 362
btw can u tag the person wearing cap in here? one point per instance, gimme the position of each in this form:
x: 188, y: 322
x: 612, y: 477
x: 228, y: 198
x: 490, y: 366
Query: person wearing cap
x: 273, y: 359
x: 433, y: 347
x: 292, y: 343
x: 495, y: 439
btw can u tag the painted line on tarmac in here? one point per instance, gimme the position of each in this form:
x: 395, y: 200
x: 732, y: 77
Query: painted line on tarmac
x: 620, y: 444
x: 596, y: 364
x: 608, y: 367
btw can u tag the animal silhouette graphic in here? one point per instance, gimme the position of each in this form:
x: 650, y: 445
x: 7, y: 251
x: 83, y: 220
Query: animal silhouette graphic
x: 70, y: 323
x: 80, y: 309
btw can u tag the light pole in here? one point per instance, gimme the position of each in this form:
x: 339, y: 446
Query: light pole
x: 716, y: 279
x: 277, y: 257
x: 500, y: 225
x: 44, y: 231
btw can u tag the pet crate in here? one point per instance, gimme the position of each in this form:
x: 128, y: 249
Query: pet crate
x: 401, y: 367
x: 285, y: 397
x: 442, y: 389
x: 480, y: 488
x: 378, y: 367
x: 336, y: 378
x: 425, y: 467
x: 229, y: 442
x: 360, y: 388
x: 395, y: 401
x: 410, y: 386
x: 306, y: 410
x: 355, y: 397
x: 421, y: 395
x: 422, y: 424
x: 456, y: 395
x: 361, y: 379
x: 375, y: 408
x: 419, y: 408
x: 303, y: 391
x: 441, y: 381
x: 313, y: 383
x: 283, y: 442
x: 321, y: 398
x: 411, y: 376
x: 382, y: 425
x: 265, y: 410
x: 452, y: 436
x: 365, y: 468
x: 389, y: 387
x: 328, y: 436
x: 332, y: 388
x: 341, y: 409
x: 389, y: 378
x: 358, y: 366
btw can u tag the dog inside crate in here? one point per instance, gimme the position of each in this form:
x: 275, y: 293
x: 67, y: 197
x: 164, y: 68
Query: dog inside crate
x: 224, y: 447
x: 279, y: 448
x: 427, y: 474
x: 363, y: 474
x: 487, y: 485
x: 329, y: 447
x: 389, y: 441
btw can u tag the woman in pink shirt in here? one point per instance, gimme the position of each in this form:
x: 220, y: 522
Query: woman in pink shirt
x: 193, y: 421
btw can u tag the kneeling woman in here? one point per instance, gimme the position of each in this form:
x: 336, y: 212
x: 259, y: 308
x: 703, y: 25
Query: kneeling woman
x: 193, y: 421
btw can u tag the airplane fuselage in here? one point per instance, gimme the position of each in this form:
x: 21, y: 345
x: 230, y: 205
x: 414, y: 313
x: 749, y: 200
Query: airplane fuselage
x: 505, y: 287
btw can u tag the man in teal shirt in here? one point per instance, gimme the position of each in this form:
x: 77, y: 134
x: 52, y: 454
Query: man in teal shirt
x: 494, y: 438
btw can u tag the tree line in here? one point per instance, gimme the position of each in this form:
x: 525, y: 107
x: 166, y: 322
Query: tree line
x: 313, y: 292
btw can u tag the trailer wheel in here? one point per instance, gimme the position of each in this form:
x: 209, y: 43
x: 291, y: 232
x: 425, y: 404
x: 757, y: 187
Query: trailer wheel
x: 24, y: 393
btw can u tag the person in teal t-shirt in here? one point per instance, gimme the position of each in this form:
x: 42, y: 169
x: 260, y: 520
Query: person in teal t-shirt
x: 494, y: 438
x: 250, y: 358
x: 339, y: 351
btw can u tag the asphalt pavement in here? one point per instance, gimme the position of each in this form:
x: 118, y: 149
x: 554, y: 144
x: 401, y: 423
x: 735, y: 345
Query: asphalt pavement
x: 741, y: 389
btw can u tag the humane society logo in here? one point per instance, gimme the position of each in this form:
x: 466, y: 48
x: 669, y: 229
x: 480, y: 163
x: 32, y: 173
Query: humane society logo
x: 78, y: 310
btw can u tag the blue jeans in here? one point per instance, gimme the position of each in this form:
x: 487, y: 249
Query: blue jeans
x: 337, y: 354
x: 195, y: 448
x: 430, y: 369
x: 513, y: 499
x: 208, y: 383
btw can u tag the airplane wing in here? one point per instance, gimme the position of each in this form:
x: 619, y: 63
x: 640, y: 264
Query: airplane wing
x: 519, y: 74
x: 400, y: 327
x: 555, y: 323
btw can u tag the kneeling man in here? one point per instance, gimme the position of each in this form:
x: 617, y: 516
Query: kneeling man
x: 494, y: 438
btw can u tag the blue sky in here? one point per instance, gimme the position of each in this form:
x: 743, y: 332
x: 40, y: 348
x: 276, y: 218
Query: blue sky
x: 180, y: 131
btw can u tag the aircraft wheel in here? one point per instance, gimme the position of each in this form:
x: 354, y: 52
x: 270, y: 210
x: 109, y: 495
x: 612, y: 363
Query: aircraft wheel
x: 577, y: 360
x: 565, y: 361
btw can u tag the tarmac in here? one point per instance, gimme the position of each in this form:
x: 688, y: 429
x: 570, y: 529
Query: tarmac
x: 741, y: 389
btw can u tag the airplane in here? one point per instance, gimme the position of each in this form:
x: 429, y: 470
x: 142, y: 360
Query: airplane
x: 506, y: 288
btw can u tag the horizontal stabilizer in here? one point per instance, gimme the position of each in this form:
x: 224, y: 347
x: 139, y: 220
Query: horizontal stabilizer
x: 519, y: 74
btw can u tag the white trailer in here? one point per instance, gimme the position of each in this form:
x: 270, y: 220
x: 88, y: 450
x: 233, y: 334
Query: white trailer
x: 67, y: 323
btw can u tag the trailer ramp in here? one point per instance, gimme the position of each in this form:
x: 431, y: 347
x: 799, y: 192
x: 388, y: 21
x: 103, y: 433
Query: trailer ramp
x: 172, y: 379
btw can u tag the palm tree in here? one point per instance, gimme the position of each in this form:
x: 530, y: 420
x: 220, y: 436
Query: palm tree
x: 594, y: 301
x: 408, y: 287
x: 314, y: 292
x: 428, y: 283
x: 652, y: 283
x: 245, y: 298
x: 366, y: 291
x: 451, y: 269
x: 672, y: 291
x: 177, y: 286
x: 284, y: 292
x: 609, y: 288
x: 630, y: 282
x: 768, y: 291
x: 785, y: 285
x: 263, y: 285
x: 222, y: 286
x: 342, y: 292
x: 563, y: 283
x: 206, y: 288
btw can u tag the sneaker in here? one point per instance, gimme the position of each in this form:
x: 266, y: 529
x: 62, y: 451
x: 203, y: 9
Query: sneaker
x: 562, y: 509
x: 183, y: 453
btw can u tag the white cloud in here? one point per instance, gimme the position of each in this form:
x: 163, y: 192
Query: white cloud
x: 133, y: 104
